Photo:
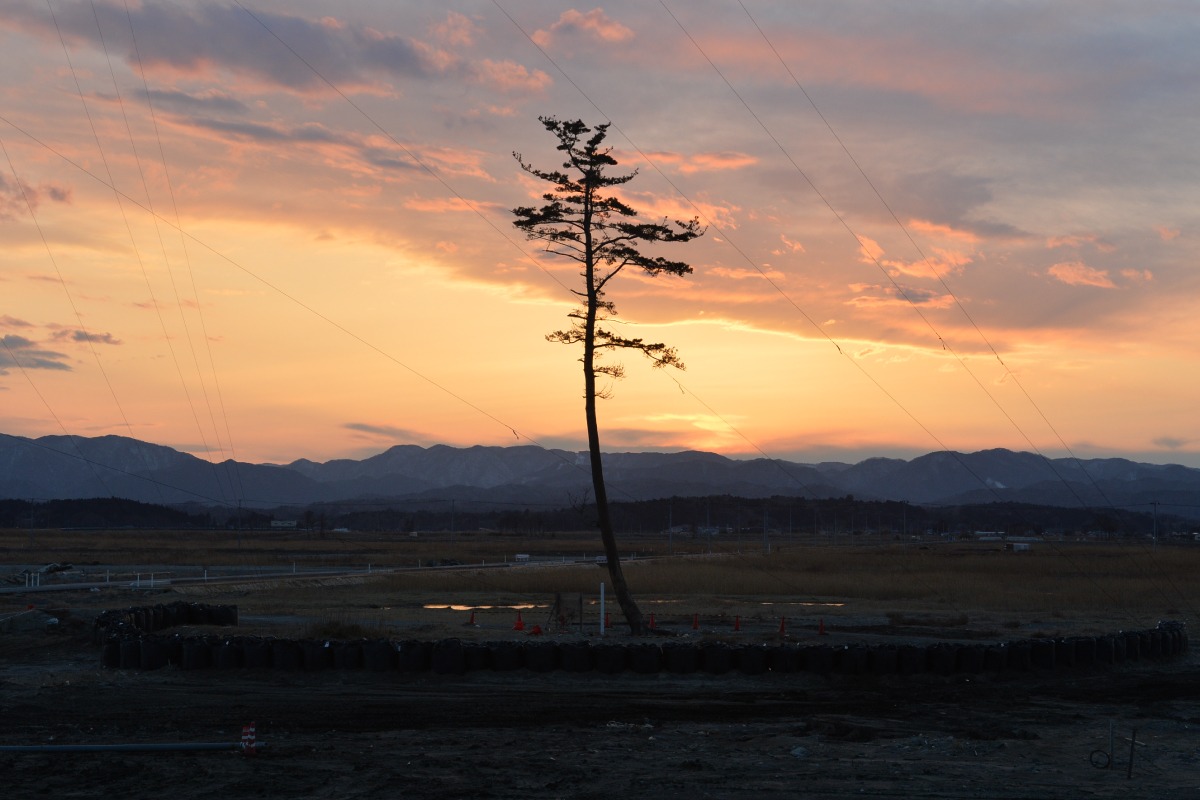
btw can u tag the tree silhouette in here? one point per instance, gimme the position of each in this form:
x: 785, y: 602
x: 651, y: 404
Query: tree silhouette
x: 603, y: 235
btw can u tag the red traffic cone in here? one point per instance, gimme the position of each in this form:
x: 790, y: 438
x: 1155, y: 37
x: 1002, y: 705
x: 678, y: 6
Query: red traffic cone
x: 471, y: 621
x: 783, y: 626
x: 652, y: 626
x: 695, y: 622
x: 536, y: 630
x: 821, y: 628
x: 520, y: 624
x: 607, y: 620
x: 737, y: 624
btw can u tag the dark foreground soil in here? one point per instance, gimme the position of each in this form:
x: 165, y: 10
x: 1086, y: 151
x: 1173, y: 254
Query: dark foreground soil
x: 519, y: 735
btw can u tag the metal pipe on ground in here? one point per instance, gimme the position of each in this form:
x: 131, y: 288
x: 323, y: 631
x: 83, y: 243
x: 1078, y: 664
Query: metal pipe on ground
x: 125, y: 748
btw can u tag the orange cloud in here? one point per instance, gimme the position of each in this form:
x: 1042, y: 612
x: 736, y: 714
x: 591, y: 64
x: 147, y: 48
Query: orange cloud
x: 650, y: 206
x: 869, y: 249
x: 1165, y: 233
x: 1076, y: 273
x: 1137, y: 275
x: 744, y: 274
x: 440, y: 205
x: 595, y: 24
x: 1079, y: 240
x: 704, y: 162
x: 876, y: 297
x: 941, y: 231
x: 792, y: 247
x: 509, y: 76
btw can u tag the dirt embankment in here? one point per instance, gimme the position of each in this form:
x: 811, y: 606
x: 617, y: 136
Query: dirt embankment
x: 520, y: 734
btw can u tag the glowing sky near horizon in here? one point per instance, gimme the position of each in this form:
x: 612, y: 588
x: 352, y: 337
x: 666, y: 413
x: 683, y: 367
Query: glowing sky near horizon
x: 1014, y: 266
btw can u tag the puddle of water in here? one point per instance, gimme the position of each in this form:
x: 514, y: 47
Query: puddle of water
x: 457, y: 607
x: 801, y: 603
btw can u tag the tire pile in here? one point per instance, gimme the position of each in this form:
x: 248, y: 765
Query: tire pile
x: 128, y: 645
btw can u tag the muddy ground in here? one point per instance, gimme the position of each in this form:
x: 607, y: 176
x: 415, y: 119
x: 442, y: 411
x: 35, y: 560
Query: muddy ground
x: 521, y: 735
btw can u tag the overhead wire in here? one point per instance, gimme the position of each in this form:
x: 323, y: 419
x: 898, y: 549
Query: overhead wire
x: 162, y: 247
x: 128, y: 229
x: 231, y: 463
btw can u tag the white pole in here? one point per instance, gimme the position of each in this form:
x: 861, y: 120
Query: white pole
x: 601, y: 608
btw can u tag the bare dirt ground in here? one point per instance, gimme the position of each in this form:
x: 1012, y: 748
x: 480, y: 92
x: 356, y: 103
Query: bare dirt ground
x: 521, y: 735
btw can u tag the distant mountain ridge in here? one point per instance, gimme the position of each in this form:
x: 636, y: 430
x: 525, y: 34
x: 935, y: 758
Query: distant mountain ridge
x: 68, y: 467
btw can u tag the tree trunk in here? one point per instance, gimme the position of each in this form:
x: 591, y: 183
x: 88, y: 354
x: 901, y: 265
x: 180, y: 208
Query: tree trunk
x: 629, y: 608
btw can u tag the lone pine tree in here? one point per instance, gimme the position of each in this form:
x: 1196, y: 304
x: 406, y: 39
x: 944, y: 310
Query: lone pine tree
x: 604, y: 235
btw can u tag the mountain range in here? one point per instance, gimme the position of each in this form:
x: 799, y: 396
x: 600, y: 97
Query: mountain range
x: 66, y: 467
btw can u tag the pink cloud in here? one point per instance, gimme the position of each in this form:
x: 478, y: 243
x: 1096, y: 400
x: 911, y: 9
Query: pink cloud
x: 1068, y: 240
x: 947, y: 251
x: 456, y: 31
x: 948, y: 74
x: 595, y: 25
x: 510, y: 77
x: 1076, y: 273
x: 1079, y: 240
x: 1137, y: 275
x: 704, y: 162
x: 652, y: 207
x: 1165, y: 233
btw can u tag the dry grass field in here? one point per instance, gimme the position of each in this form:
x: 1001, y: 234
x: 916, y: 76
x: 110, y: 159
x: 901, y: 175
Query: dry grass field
x: 975, y: 589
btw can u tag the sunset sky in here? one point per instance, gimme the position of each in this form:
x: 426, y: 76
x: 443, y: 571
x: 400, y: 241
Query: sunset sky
x: 282, y: 228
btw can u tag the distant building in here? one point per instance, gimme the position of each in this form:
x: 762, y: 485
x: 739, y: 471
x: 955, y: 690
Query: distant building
x: 284, y: 523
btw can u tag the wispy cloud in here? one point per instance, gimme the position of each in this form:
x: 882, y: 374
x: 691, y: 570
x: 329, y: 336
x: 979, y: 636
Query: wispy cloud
x: 15, y: 199
x: 19, y: 352
x: 87, y: 336
x: 704, y: 162
x: 1076, y: 273
x: 389, y: 432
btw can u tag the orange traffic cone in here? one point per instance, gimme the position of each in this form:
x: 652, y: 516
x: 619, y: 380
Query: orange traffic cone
x: 520, y: 624
x: 737, y: 624
x: 821, y: 628
x: 652, y: 620
x: 695, y: 622
x: 782, y: 627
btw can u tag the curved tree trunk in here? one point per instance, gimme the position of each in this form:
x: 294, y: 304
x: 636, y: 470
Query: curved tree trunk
x: 629, y: 608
